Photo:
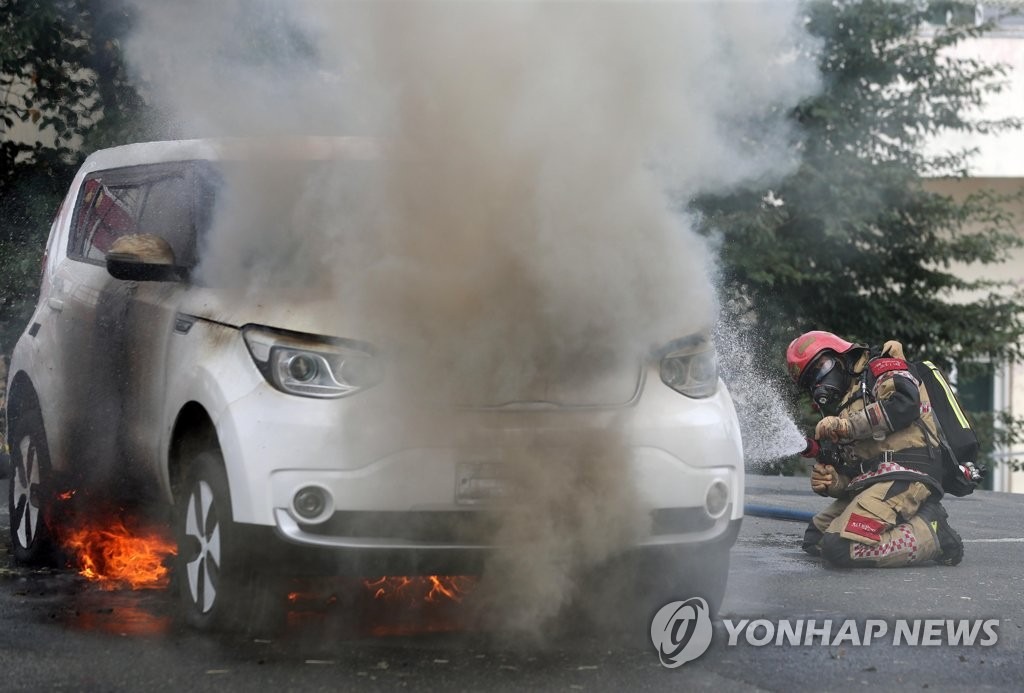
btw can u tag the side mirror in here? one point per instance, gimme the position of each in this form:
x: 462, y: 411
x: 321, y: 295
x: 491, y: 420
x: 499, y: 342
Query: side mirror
x: 144, y: 257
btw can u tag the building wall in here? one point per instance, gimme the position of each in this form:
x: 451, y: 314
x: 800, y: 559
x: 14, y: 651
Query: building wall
x: 1008, y: 392
x: 997, y: 166
x: 1000, y: 155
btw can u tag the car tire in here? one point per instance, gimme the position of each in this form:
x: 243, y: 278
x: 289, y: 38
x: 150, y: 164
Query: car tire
x: 30, y: 495
x: 219, y: 586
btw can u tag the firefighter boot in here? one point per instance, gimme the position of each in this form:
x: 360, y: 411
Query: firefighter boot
x: 950, y: 543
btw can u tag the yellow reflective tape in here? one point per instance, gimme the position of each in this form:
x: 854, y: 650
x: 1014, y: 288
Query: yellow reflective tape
x: 949, y: 395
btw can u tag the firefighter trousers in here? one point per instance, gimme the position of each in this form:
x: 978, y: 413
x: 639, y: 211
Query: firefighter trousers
x: 877, y: 527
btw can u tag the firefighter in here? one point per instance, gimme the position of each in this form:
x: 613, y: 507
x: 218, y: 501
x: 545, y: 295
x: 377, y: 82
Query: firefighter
x: 880, y: 457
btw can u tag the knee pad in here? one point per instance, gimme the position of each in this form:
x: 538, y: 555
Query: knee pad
x: 836, y: 550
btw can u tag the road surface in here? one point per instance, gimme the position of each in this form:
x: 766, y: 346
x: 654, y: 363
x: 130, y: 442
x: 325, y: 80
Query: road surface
x: 63, y: 633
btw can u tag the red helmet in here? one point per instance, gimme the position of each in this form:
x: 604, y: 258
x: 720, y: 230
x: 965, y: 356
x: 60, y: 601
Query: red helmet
x: 805, y: 348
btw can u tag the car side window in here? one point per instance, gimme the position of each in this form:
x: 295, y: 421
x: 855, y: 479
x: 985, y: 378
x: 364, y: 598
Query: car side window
x: 167, y: 211
x: 157, y: 200
x: 104, y: 214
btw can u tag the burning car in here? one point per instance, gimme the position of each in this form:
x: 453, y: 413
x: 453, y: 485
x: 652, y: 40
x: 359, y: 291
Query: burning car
x: 274, y: 432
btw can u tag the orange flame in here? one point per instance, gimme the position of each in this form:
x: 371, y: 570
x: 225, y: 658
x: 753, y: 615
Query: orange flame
x: 117, y: 557
x: 429, y: 588
x: 307, y: 598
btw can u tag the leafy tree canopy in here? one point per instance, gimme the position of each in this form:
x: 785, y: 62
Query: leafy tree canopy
x: 63, y: 81
x: 852, y: 241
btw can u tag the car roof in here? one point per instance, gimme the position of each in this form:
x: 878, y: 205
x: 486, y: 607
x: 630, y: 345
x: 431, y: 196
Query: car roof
x: 230, y: 149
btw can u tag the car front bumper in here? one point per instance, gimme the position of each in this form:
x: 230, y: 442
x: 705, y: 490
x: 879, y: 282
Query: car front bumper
x: 280, y: 554
x: 403, y: 488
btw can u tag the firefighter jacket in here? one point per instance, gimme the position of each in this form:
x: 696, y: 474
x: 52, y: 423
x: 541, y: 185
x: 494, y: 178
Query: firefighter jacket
x: 893, y: 431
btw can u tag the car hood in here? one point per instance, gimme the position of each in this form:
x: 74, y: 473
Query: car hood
x: 297, y: 312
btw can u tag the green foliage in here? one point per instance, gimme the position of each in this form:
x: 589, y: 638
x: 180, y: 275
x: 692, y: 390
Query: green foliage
x: 29, y: 195
x: 851, y: 241
x: 62, y: 78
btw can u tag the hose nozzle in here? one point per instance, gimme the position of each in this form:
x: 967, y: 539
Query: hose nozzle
x: 812, y: 449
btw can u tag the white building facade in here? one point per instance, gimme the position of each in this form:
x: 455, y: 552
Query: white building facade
x: 998, y: 166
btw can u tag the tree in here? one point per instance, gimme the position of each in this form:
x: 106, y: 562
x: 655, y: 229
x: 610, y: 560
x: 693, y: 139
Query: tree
x: 852, y: 241
x: 63, y: 80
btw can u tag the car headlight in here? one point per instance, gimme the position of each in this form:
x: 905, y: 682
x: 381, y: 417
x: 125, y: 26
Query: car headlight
x: 312, y: 366
x: 690, y: 366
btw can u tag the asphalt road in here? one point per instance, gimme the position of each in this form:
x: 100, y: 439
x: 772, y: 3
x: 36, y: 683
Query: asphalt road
x: 62, y: 633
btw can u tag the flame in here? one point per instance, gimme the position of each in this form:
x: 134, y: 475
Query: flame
x: 116, y: 557
x: 390, y: 605
x: 429, y: 588
x: 311, y: 598
x: 407, y: 605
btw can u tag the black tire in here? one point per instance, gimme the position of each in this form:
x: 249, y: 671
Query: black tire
x: 31, y: 493
x: 218, y: 584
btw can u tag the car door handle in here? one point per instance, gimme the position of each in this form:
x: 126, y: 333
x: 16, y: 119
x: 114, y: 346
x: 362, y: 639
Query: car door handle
x: 55, y: 304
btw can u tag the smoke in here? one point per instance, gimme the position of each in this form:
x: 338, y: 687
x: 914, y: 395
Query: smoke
x: 520, y: 238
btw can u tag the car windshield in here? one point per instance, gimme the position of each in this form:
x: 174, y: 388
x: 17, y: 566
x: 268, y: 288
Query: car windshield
x: 281, y: 223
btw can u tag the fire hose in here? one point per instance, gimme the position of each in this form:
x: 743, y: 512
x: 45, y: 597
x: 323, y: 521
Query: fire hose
x: 777, y: 513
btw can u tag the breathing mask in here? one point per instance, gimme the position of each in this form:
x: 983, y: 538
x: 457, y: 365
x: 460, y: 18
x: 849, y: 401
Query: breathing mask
x: 828, y: 381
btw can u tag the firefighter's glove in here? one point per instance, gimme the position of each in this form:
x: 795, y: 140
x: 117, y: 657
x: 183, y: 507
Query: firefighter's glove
x: 826, y: 481
x: 834, y: 428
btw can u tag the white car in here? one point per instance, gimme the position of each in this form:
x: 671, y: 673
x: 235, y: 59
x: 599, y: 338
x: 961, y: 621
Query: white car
x: 246, y: 420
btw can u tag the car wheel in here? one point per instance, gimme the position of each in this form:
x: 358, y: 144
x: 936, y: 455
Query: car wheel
x: 30, y: 494
x: 218, y: 585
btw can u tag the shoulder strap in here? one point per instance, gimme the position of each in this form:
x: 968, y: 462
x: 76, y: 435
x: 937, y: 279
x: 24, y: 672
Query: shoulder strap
x: 855, y: 395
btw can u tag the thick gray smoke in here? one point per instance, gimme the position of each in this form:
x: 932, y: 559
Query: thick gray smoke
x: 520, y: 234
